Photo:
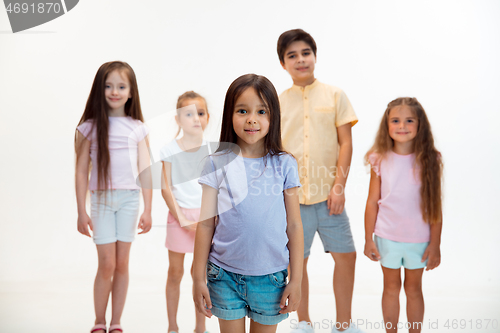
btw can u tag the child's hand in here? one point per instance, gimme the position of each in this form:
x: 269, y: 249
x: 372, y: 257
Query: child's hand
x: 336, y: 200
x: 84, y: 223
x: 433, y: 255
x: 201, y: 298
x: 145, y: 222
x: 292, y: 293
x: 371, y: 251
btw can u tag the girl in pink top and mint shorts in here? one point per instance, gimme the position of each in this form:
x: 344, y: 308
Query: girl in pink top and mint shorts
x: 401, y: 234
x: 404, y: 208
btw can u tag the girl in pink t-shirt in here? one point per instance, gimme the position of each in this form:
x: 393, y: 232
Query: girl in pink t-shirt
x: 113, y: 138
x: 182, y: 162
x: 404, y: 209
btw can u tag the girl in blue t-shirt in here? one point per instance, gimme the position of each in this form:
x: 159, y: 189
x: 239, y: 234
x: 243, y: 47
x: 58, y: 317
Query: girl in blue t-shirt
x: 251, y: 185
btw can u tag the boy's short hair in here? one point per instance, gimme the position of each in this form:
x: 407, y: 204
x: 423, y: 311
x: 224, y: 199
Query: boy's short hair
x: 295, y: 35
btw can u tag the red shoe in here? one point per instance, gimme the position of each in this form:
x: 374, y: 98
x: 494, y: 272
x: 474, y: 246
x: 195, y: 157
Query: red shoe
x: 98, y: 327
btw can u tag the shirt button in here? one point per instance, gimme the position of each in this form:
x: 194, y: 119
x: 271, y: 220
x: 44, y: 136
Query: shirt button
x: 305, y: 97
x: 306, y: 155
x: 307, y: 136
x: 307, y: 116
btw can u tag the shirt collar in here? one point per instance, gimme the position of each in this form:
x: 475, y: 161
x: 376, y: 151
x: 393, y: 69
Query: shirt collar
x: 306, y: 88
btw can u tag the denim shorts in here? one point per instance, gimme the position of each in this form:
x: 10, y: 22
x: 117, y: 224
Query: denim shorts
x: 114, y: 215
x: 334, y: 230
x: 396, y: 254
x: 235, y: 296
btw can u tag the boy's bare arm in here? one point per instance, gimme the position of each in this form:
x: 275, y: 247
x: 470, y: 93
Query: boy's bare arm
x: 371, y: 213
x: 336, y: 198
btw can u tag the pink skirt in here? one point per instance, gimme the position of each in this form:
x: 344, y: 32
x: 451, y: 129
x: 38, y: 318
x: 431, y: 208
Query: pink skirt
x: 181, y: 239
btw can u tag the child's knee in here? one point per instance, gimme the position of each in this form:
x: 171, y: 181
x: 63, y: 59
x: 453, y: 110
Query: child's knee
x: 413, y: 289
x: 107, y: 268
x: 175, y: 274
x: 121, y: 266
x: 345, y: 259
x: 392, y: 287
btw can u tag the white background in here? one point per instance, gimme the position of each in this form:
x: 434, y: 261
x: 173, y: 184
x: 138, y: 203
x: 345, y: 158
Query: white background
x: 445, y: 53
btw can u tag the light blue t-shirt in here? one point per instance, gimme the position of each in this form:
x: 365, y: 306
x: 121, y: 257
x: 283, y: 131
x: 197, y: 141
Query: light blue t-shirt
x: 250, y: 236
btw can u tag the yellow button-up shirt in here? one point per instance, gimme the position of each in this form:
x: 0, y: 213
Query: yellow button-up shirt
x: 309, y: 119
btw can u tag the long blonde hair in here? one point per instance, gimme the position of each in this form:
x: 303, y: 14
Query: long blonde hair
x: 427, y: 157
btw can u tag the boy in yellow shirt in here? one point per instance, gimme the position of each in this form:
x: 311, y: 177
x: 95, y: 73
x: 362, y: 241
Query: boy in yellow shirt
x: 316, y: 121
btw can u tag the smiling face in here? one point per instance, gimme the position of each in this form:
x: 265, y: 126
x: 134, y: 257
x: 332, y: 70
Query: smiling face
x: 403, y: 124
x: 117, y: 92
x: 299, y: 62
x: 250, y: 120
x: 193, y: 117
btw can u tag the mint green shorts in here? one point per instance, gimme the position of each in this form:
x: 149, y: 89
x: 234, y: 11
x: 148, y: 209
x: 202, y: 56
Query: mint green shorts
x: 397, y: 254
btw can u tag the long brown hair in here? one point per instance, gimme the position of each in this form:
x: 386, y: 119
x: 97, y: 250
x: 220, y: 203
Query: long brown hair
x: 267, y: 93
x: 97, y: 108
x: 426, y: 157
x: 190, y: 95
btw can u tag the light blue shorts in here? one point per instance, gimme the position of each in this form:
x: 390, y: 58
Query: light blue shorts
x: 397, y: 254
x: 334, y: 230
x: 114, y: 215
x: 235, y: 296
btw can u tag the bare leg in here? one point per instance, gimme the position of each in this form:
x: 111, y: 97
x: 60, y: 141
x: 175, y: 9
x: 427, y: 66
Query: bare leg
x: 200, y: 318
x: 120, y: 281
x: 232, y: 326
x: 106, y: 254
x: 173, y: 289
x: 390, y: 298
x: 255, y: 327
x: 343, y: 285
x: 303, y: 310
x: 414, y: 299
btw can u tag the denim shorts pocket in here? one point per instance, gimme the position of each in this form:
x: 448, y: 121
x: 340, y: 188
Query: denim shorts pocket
x: 214, y: 272
x: 279, y: 278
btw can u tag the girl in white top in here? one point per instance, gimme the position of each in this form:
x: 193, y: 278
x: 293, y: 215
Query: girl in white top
x: 113, y: 138
x: 182, y: 163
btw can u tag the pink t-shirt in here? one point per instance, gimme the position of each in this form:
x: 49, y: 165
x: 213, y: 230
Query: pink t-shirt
x: 399, y: 215
x: 124, y: 135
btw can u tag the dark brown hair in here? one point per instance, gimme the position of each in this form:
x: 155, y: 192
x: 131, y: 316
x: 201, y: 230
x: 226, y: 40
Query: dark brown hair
x: 426, y: 157
x: 290, y: 36
x: 267, y: 93
x: 190, y: 95
x: 97, y: 109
